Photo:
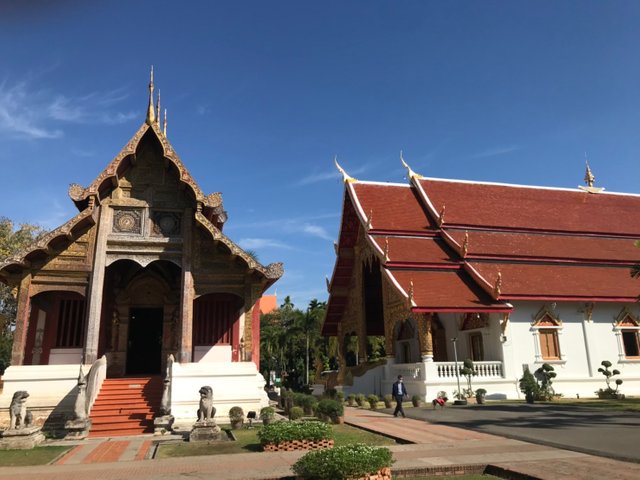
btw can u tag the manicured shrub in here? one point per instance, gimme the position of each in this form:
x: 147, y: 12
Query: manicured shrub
x: 360, y: 399
x: 267, y: 414
x: 331, y: 409
x: 416, y: 400
x: 344, y: 462
x: 373, y: 401
x: 236, y: 414
x: 351, y: 399
x: 545, y: 374
x: 388, y: 400
x: 609, y: 392
x: 295, y: 413
x: 340, y: 396
x: 529, y: 386
x: 287, y: 431
x: 308, y: 402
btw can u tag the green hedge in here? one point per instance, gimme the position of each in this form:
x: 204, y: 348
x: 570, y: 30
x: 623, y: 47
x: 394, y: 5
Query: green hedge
x: 330, y: 408
x: 344, y: 462
x: 286, y: 431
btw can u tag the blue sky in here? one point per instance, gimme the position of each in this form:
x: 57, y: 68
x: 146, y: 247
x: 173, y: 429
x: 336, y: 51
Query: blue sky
x: 262, y: 95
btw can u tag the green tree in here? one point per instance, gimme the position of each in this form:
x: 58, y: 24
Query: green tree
x: 12, y: 241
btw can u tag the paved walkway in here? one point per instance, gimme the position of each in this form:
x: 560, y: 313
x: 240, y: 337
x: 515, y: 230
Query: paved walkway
x: 436, y: 446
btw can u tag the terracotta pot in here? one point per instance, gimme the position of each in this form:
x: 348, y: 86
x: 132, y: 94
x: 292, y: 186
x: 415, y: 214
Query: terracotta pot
x: 339, y: 420
x: 480, y: 399
x: 237, y: 424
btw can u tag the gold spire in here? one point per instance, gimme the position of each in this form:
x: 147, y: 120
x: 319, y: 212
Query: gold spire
x: 588, y: 176
x: 151, y: 115
x: 498, y: 285
x: 465, y: 244
x: 369, y: 219
x: 345, y: 176
x: 411, y: 302
x: 158, y: 110
x: 410, y: 173
x: 441, y: 216
x: 164, y: 127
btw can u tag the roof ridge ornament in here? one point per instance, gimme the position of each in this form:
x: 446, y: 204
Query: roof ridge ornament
x: 441, y: 216
x: 410, y: 299
x: 369, y: 220
x: 386, y: 250
x: 465, y: 244
x: 589, y: 179
x: 151, y: 115
x: 410, y: 173
x: 498, y: 286
x: 164, y: 127
x: 158, y: 110
x: 345, y: 176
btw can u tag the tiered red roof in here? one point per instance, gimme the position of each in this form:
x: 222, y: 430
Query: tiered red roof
x: 493, y: 244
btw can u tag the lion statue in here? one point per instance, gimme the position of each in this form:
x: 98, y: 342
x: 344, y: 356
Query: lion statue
x: 206, y: 411
x: 18, y: 416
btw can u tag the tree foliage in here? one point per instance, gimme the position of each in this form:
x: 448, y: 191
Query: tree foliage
x: 284, y: 334
x: 12, y: 241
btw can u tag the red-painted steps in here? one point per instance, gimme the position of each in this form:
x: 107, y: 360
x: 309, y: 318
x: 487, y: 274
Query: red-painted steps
x: 126, y: 406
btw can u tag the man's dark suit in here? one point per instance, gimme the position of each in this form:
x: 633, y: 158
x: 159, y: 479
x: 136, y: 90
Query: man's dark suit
x: 398, y: 392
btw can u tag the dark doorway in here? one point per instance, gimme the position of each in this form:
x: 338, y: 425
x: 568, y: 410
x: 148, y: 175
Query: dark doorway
x: 144, y: 347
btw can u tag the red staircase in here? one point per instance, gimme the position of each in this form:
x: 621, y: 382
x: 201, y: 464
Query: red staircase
x: 126, y: 406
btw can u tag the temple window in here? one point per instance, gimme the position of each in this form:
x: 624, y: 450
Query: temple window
x: 70, y: 331
x: 627, y: 330
x: 546, y: 329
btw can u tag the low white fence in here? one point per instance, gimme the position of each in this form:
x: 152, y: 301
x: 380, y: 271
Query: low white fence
x: 483, y: 369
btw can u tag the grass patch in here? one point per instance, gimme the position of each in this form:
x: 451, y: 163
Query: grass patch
x: 247, y: 441
x: 35, y: 456
x: 626, y: 405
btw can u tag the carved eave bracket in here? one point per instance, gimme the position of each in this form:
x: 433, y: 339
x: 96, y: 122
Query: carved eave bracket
x: 272, y: 272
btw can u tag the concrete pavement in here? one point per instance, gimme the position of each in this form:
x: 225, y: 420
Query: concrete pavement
x: 436, y: 449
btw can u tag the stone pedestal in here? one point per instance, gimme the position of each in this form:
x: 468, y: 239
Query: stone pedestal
x: 205, y: 431
x: 162, y: 425
x: 21, y: 439
x: 77, y: 429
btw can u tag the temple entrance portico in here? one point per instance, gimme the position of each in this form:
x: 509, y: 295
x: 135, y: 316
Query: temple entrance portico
x: 144, y: 345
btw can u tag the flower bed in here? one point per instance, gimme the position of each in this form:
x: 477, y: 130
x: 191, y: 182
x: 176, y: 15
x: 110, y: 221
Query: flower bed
x: 357, y: 461
x: 295, y: 436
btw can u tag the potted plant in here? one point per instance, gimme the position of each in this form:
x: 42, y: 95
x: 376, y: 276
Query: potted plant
x: 468, y: 370
x: 236, y: 417
x: 351, y: 399
x: 388, y: 401
x: 296, y: 413
x: 416, y: 400
x: 331, y: 410
x: 373, y: 401
x: 267, y: 414
x: 360, y: 399
x: 480, y: 394
x: 308, y: 402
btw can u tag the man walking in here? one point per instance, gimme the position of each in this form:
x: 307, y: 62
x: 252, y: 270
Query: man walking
x: 399, y: 392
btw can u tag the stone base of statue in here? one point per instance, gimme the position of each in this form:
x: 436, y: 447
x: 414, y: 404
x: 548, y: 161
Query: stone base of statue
x: 162, y: 425
x: 21, y: 439
x: 77, y: 429
x: 205, y: 431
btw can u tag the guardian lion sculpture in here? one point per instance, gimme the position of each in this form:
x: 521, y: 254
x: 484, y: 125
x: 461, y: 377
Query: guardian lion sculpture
x: 206, y: 411
x: 18, y: 416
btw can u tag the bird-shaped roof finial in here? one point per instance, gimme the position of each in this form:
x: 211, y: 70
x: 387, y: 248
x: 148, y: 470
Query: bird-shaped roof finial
x: 151, y: 114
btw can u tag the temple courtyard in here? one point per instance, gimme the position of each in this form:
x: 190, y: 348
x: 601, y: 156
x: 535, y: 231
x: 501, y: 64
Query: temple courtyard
x: 450, y: 441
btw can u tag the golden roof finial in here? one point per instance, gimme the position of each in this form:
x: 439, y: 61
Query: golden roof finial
x: 441, y: 216
x: 410, y: 173
x: 411, y: 302
x: 151, y: 114
x: 345, y: 176
x: 158, y: 110
x: 498, y: 285
x: 369, y: 219
x: 588, y: 176
x: 164, y: 127
x: 465, y: 244
x: 386, y: 249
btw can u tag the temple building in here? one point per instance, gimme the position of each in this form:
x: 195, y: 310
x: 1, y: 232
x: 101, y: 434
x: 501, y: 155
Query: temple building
x: 509, y: 276
x: 142, y: 275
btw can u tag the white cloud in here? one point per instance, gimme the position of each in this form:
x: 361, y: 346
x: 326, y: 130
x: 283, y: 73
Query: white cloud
x: 328, y: 175
x: 28, y: 113
x: 251, y: 243
x: 492, y: 152
x: 316, y: 231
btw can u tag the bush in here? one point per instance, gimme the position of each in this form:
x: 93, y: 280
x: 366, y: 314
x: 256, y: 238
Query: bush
x: 279, y: 432
x: 609, y: 392
x: 360, y: 399
x: 340, y: 463
x: 468, y: 371
x: 331, y: 392
x: 329, y: 408
x: 295, y: 413
x: 267, y: 412
x: 388, y: 400
x: 416, y: 400
x: 308, y: 403
x: 479, y: 392
x: 373, y: 401
x: 236, y: 414
x: 546, y: 375
x: 351, y: 399
x: 340, y: 396
x: 529, y: 386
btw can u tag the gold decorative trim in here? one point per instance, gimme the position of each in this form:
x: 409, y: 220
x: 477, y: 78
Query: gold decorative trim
x: 625, y: 314
x: 545, y: 313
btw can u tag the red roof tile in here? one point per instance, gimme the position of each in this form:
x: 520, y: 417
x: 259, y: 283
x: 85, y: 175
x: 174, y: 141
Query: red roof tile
x: 443, y: 290
x: 544, y: 246
x: 521, y: 280
x: 508, y: 206
x: 392, y: 207
x: 415, y: 250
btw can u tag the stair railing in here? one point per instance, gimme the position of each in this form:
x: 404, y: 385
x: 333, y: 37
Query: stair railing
x: 165, y: 403
x: 95, y: 377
